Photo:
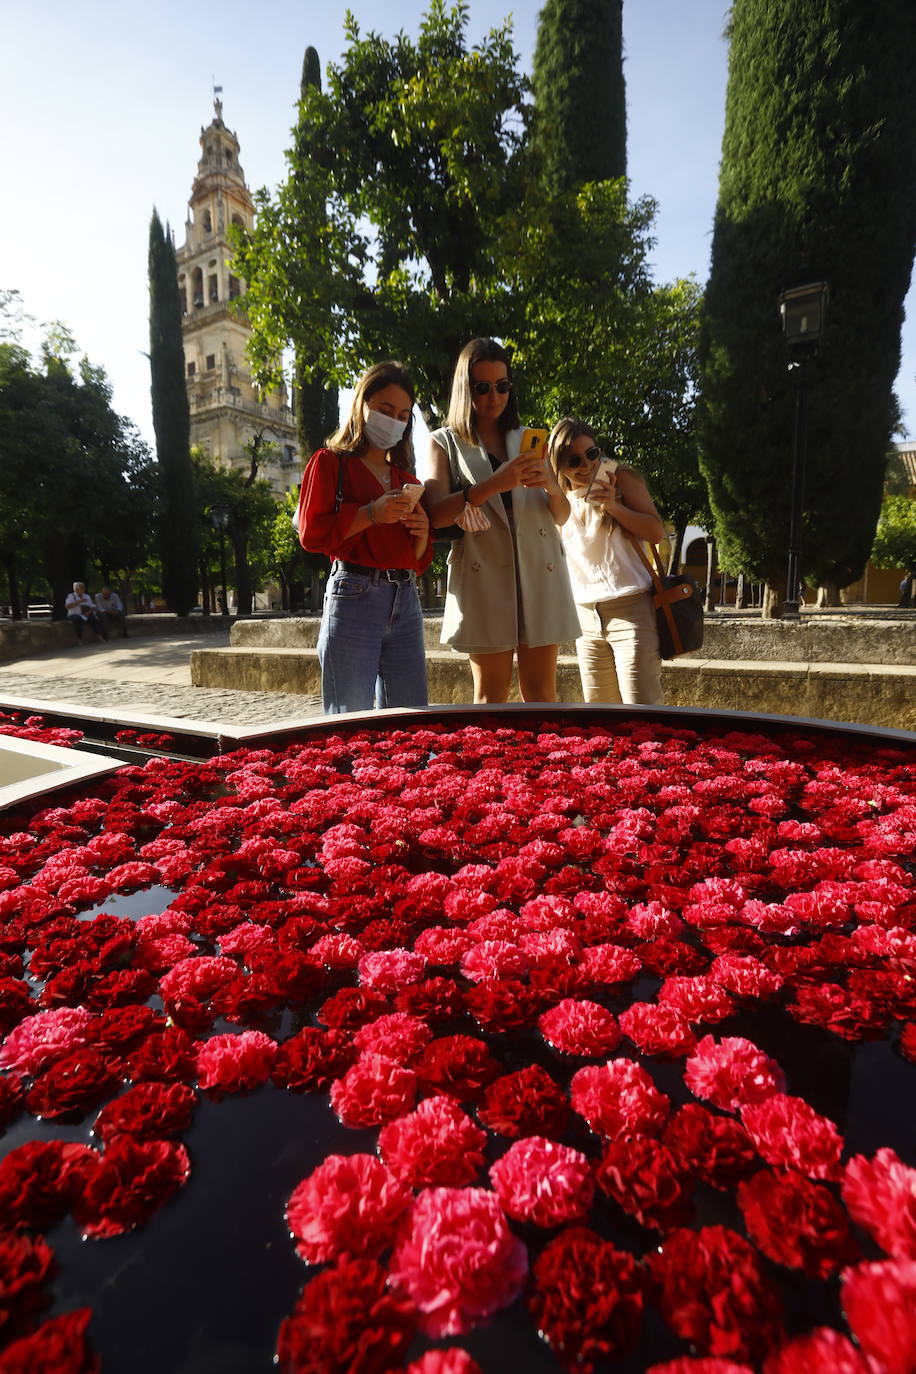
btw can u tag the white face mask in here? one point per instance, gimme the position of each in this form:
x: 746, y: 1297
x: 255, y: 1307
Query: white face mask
x: 383, y: 431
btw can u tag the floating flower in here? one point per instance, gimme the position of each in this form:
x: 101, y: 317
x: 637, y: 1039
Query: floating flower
x: 42, y: 1039
x: 796, y: 1222
x: 451, y: 1361
x: 376, y: 1089
x: 435, y: 1144
x: 648, y: 1181
x: 587, y: 1298
x: 880, y: 1305
x: 788, y: 1132
x: 580, y: 1027
x: 712, y: 1291
x: 458, y: 1065
x: 527, y: 1102
x: 387, y: 970
x: 60, y: 1344
x: 821, y: 1351
x: 235, y: 1063
x: 345, y: 1319
x: 619, y: 1099
x: 457, y: 1260
x: 541, y: 1181
x: 658, y: 1029
x: 349, y: 1205
x: 148, y: 1111
x: 133, y: 1179
x: 881, y: 1196
x: 732, y: 1073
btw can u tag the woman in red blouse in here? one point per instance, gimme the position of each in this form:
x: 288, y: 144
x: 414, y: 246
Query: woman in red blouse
x: 353, y: 507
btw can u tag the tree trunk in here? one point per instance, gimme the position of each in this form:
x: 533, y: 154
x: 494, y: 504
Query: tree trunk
x: 677, y: 547
x: 828, y: 594
x: 710, y: 573
x: 741, y: 593
x: 774, y: 600
x: 12, y: 578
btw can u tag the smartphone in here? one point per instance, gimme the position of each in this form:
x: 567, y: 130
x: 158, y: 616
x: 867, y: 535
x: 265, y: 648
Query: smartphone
x: 532, y: 439
x: 604, y: 472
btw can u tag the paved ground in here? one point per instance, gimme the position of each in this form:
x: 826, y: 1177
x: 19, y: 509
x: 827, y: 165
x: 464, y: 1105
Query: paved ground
x: 145, y: 674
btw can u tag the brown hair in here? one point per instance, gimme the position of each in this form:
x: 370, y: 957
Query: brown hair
x: 350, y: 438
x: 460, y: 416
x: 563, y: 435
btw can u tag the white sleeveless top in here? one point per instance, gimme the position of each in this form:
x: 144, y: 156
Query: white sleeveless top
x: 602, y: 561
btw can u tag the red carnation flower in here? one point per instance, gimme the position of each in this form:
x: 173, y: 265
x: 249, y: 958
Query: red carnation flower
x: 821, y: 1351
x: 457, y: 1259
x: 26, y: 1263
x: 704, y: 1364
x: 457, y: 1065
x: 351, y: 1008
x: 435, y: 1144
x: 908, y: 1041
x: 610, y: 964
x: 732, y: 1073
x: 790, y: 1133
x: 374, y: 1090
x: 235, y: 1063
x: 648, y: 1181
x: 880, y: 1305
x: 165, y: 1056
x: 133, y: 1179
x: 796, y: 1223
x: 345, y: 1319
x: 503, y: 1005
x: 697, y: 999
x: 148, y: 1111
x: 435, y: 999
x: 442, y: 944
x: 619, y: 1099
x: 881, y: 1196
x: 398, y: 1035
x: 712, y: 1292
x: 658, y: 1029
x: 745, y: 976
x: 38, y: 1181
x: 577, y: 1026
x: 525, y: 1103
x: 587, y: 1299
x: 74, y: 1084
x: 59, y: 1346
x: 350, y: 1204
x: 540, y: 1181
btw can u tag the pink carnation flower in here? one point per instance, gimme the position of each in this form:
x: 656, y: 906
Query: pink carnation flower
x: 881, y: 1196
x: 235, y: 1063
x: 703, y: 1364
x: 493, y: 959
x: 657, y: 1029
x: 398, y: 1035
x: 746, y: 976
x: 577, y: 1026
x: 610, y: 964
x: 457, y: 1260
x: 44, y: 1038
x: 451, y: 1361
x: 374, y: 1090
x: 697, y: 999
x: 386, y: 970
x: 789, y: 1133
x: 619, y: 1099
x: 732, y: 1074
x: 436, y: 1144
x: 541, y: 1181
x: 880, y: 1305
x: 338, y: 950
x: 349, y: 1205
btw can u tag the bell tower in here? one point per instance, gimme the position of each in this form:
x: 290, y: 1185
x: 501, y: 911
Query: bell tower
x: 226, y: 410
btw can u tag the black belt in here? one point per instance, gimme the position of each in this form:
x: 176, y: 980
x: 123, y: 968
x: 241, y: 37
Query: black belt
x: 376, y: 574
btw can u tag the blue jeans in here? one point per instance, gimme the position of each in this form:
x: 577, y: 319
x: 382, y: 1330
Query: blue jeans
x: 370, y: 645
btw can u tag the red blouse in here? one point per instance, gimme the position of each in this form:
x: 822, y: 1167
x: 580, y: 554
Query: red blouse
x: 321, y: 531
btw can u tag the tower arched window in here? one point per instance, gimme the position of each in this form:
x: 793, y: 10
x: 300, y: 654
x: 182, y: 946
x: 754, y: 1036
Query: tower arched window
x: 197, y: 287
x: 207, y: 222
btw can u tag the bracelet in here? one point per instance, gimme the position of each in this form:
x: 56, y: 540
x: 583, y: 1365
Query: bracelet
x: 467, y: 495
x: 370, y: 507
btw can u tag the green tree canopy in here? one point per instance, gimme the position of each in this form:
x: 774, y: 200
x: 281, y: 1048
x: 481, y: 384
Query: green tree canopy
x: 818, y: 178
x: 895, y: 537
x: 580, y: 94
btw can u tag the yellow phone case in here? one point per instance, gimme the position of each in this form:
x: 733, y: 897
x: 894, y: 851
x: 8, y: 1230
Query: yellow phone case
x: 532, y: 439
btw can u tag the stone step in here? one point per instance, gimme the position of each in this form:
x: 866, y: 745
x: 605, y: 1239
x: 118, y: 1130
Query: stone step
x: 862, y: 694
x: 833, y: 639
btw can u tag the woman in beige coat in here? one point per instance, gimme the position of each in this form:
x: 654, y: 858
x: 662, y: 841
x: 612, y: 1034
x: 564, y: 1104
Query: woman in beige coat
x: 508, y: 588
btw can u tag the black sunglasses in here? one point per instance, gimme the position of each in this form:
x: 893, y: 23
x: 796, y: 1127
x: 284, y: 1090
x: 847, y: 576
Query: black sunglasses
x: 575, y: 460
x: 502, y: 387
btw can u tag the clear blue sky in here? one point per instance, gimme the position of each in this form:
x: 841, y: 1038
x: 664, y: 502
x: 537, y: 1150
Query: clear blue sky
x: 102, y: 105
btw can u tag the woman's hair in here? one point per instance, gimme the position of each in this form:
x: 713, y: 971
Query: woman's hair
x: 460, y: 416
x: 563, y: 435
x: 351, y: 439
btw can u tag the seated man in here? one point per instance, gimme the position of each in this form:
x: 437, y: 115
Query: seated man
x: 110, y: 609
x: 81, y: 612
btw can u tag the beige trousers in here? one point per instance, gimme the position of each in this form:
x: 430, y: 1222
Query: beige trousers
x: 618, y: 651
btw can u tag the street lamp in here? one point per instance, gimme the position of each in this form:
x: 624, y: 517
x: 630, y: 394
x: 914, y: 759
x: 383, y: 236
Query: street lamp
x: 803, y: 310
x: 220, y: 517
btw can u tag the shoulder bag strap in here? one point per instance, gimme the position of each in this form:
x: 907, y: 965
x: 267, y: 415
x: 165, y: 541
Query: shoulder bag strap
x: 663, y: 595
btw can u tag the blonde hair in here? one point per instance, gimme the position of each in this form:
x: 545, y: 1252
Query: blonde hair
x: 350, y: 438
x: 563, y: 435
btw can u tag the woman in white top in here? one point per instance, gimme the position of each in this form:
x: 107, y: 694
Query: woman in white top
x: 618, y: 644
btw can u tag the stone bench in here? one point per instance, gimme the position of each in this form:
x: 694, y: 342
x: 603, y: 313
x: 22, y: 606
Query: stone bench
x: 863, y: 694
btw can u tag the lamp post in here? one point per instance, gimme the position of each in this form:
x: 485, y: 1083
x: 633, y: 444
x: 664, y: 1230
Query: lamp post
x: 220, y: 517
x: 803, y: 310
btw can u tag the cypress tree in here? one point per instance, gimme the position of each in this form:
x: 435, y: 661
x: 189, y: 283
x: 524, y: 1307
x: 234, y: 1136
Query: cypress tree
x: 316, y: 401
x: 817, y: 180
x: 579, y: 92
x: 178, y: 534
